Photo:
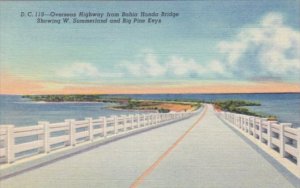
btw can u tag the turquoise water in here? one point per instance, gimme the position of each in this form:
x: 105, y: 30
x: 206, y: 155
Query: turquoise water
x: 18, y: 111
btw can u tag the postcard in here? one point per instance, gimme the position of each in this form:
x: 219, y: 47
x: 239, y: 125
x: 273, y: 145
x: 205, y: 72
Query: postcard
x: 154, y: 94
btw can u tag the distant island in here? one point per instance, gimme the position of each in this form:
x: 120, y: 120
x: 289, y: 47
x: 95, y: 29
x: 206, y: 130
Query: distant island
x: 162, y: 106
x: 75, y: 98
x: 124, y: 103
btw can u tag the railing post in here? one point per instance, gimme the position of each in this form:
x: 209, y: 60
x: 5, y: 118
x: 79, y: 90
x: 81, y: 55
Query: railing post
x: 115, y: 124
x: 254, y: 126
x: 282, y: 140
x: 72, y: 130
x: 138, y: 120
x: 298, y: 147
x: 104, y: 127
x: 240, y: 118
x: 132, y: 121
x: 248, y: 124
x: 252, y: 122
x: 45, y: 124
x: 144, y: 119
x: 234, y: 120
x: 91, y: 128
x: 269, y: 134
x: 153, y: 119
x: 149, y: 120
x: 242, y: 122
x: 10, y: 142
x: 124, y: 123
x: 260, y: 128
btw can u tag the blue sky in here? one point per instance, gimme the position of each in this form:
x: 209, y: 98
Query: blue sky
x: 201, y: 45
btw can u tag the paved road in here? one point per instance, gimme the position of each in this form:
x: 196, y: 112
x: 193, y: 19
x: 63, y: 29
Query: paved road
x: 197, y: 152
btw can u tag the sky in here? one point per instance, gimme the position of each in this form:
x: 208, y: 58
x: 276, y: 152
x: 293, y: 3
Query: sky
x: 211, y: 47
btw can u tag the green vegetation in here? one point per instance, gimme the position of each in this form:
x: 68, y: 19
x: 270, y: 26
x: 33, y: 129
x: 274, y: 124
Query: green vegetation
x: 76, y: 98
x: 162, y: 110
x: 124, y: 102
x: 238, y: 106
x: 149, y: 105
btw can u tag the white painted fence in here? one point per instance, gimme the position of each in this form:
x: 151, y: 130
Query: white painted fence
x: 21, y: 142
x: 279, y: 137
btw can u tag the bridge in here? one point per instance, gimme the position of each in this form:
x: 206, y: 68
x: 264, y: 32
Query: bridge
x: 201, y: 149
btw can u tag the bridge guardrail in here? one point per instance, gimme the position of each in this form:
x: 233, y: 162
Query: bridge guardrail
x: 22, y: 142
x: 279, y: 137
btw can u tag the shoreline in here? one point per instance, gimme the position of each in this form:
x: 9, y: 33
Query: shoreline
x: 62, y: 102
x: 131, y: 110
x: 229, y: 93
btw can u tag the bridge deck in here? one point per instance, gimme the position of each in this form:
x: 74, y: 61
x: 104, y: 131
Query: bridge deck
x: 210, y: 155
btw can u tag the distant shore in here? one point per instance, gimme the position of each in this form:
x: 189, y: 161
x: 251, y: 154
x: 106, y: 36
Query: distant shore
x: 162, y: 106
x: 122, y: 103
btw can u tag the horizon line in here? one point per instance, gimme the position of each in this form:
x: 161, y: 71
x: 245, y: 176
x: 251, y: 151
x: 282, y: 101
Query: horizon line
x: 229, y: 93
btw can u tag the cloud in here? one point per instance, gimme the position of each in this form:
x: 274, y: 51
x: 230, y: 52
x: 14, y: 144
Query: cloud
x: 79, y: 70
x: 148, y: 65
x: 268, y: 50
x: 145, y: 65
x: 181, y: 67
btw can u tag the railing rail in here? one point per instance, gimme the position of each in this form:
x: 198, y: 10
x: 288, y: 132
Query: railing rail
x: 279, y: 137
x: 21, y: 142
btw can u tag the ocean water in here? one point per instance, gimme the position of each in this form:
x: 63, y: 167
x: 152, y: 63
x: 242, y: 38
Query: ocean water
x: 20, y: 112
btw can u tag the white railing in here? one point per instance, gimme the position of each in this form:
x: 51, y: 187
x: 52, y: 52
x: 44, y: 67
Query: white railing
x: 21, y: 142
x: 279, y: 137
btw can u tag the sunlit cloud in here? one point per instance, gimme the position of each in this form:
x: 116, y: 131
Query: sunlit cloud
x: 79, y: 69
x: 86, y: 72
x: 146, y: 65
x: 268, y: 50
x: 149, y: 65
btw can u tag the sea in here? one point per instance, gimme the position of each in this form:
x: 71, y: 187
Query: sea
x: 18, y: 111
